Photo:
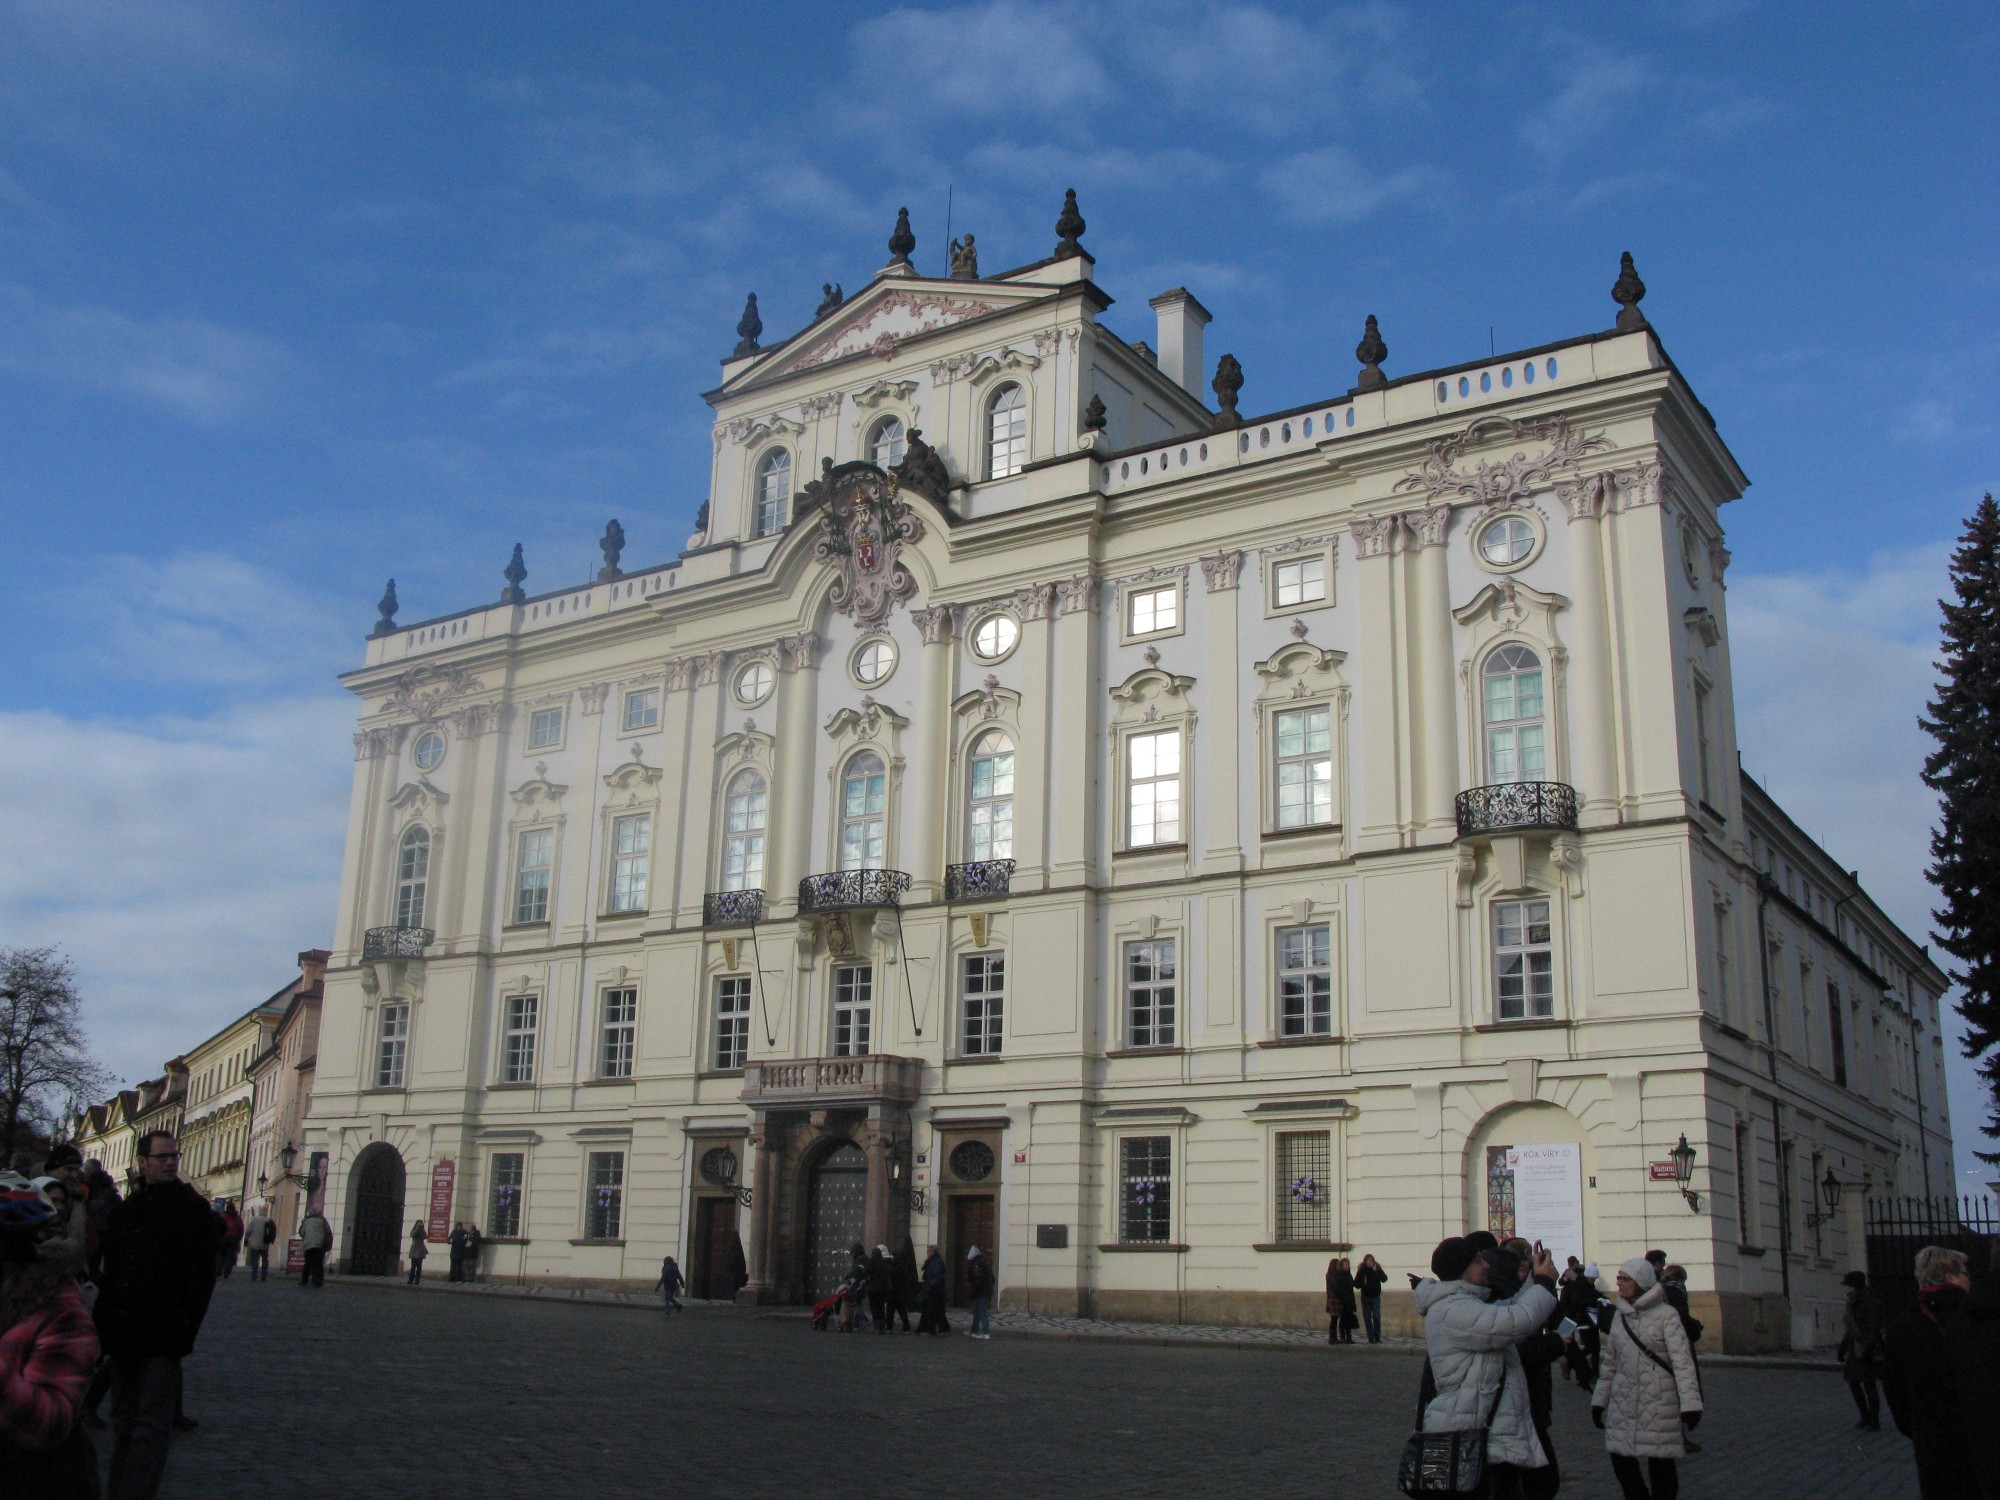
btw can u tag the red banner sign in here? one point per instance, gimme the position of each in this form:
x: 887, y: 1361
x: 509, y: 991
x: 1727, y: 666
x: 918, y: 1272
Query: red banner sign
x: 295, y: 1254
x: 443, y: 1176
x: 1662, y: 1171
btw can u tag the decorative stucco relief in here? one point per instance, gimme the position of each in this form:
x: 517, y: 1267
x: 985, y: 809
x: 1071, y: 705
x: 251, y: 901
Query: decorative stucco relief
x: 887, y: 323
x: 422, y: 691
x: 864, y: 523
x: 1510, y: 481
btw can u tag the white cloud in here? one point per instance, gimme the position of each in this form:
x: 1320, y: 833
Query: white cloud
x: 1333, y: 185
x: 1002, y: 58
x: 193, y: 368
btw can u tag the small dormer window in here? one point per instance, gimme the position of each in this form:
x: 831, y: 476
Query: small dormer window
x: 774, y: 492
x: 1007, y: 432
x: 885, y: 443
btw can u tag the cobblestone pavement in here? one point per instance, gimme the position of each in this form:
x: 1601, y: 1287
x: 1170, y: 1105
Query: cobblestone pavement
x: 372, y: 1390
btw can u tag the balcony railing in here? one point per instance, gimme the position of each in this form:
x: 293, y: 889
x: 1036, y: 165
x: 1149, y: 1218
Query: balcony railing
x: 980, y: 880
x: 851, y: 890
x: 878, y: 1078
x: 1516, y: 804
x: 732, y: 908
x: 396, y: 942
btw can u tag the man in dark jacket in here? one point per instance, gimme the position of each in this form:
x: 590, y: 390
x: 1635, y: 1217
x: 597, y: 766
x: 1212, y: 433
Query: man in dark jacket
x: 1974, y: 1344
x: 159, y: 1271
x: 1918, y: 1377
x: 933, y: 1276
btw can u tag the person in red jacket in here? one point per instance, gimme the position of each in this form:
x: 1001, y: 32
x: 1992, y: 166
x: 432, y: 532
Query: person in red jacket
x: 48, y: 1349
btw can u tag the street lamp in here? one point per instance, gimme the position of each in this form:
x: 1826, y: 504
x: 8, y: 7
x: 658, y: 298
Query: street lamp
x: 1683, y: 1158
x: 1829, y: 1192
x: 286, y: 1158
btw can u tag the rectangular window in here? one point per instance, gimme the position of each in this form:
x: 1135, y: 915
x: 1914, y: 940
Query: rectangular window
x: 631, y: 848
x: 503, y: 1206
x: 642, y: 709
x: 1145, y: 1189
x: 1305, y: 981
x: 1305, y: 1196
x: 545, y: 728
x: 1304, y: 741
x: 1153, y: 788
x: 1701, y: 742
x: 531, y: 875
x: 393, y: 1045
x: 620, y: 1033
x: 853, y: 1009
x: 1523, y: 961
x: 1149, y: 993
x: 517, y: 1038
x: 983, y: 996
x: 604, y: 1210
x: 1743, y: 1235
x: 1150, y: 611
x: 1722, y: 961
x: 1836, y: 1034
x: 732, y: 1021
x: 1296, y: 583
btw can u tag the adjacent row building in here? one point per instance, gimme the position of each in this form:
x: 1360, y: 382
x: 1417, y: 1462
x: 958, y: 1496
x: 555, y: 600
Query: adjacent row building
x: 1162, y: 846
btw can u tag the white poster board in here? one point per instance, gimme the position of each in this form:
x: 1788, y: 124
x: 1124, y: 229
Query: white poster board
x: 1536, y: 1192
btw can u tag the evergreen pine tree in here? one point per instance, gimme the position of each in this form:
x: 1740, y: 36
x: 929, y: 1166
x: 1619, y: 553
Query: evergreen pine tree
x: 1964, y: 770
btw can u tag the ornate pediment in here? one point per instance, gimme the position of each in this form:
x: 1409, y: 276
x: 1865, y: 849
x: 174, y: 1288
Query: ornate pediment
x: 864, y: 524
x: 537, y: 794
x: 422, y: 691
x: 419, y: 799
x: 1510, y: 481
x: 881, y: 325
x: 1513, y: 605
x: 871, y: 721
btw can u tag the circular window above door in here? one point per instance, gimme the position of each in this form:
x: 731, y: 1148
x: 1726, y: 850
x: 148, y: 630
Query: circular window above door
x: 971, y: 1161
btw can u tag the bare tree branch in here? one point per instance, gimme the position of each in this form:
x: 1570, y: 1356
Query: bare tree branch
x: 44, y: 1058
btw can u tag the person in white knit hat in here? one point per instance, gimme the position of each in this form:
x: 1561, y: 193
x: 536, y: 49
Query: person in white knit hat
x: 1647, y: 1393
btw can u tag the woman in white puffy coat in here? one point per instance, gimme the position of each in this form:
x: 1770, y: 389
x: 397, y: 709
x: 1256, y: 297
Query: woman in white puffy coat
x: 1648, y: 1392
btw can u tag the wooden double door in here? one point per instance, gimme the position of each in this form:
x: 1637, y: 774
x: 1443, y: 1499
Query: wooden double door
x: 971, y: 1219
x: 708, y: 1270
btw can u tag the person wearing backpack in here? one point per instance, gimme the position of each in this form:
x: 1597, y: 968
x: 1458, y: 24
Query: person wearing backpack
x: 1647, y: 1393
x: 258, y: 1232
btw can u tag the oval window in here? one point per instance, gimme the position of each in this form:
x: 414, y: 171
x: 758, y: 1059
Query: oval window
x: 874, y: 661
x: 754, y: 682
x: 430, y: 750
x: 1506, y: 541
x: 994, y: 636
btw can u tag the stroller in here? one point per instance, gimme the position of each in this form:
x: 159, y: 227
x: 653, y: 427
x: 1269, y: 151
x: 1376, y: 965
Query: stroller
x: 825, y: 1312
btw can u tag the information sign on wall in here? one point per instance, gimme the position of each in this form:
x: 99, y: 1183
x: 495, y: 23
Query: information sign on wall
x: 444, y: 1174
x: 1536, y: 1192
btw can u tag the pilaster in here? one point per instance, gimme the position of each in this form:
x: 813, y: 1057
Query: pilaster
x: 1071, y: 815
x: 1222, y: 806
x: 790, y: 820
x: 1434, y: 670
x: 1031, y: 766
x: 1589, y: 667
x: 923, y: 833
x: 1384, y: 713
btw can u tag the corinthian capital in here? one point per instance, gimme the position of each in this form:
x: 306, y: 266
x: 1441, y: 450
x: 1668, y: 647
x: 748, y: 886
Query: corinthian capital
x: 795, y: 652
x: 936, y: 624
x: 1373, y: 535
x: 1427, y: 527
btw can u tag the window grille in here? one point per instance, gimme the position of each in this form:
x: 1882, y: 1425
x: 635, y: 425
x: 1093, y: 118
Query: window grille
x: 503, y: 1208
x: 1305, y: 1187
x: 1145, y: 1189
x: 604, y: 1210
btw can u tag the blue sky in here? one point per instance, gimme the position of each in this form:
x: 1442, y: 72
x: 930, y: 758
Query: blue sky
x: 294, y: 298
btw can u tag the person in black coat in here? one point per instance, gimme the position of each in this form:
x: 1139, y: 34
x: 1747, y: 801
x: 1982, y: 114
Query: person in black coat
x: 1578, y: 1301
x: 1369, y: 1279
x: 1925, y: 1397
x: 881, y: 1284
x: 1339, y: 1302
x: 159, y: 1272
x: 1974, y: 1345
x: 934, y: 1277
x: 904, y: 1287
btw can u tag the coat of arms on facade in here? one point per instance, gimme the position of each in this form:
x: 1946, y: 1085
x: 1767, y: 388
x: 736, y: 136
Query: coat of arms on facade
x: 863, y: 525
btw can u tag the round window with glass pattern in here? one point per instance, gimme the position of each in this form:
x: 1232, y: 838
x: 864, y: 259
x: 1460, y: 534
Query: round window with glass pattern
x: 430, y: 750
x: 1506, y: 541
x: 972, y: 1161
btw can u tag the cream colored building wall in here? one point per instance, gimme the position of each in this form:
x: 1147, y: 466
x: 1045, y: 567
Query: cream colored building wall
x: 1622, y: 597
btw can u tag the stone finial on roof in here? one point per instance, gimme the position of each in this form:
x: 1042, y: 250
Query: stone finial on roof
x: 1070, y: 227
x: 901, y: 242
x: 1627, y: 291
x: 612, y: 545
x: 1094, y: 415
x: 515, y: 572
x: 1371, y: 351
x: 1227, y: 383
x: 387, y: 610
x: 831, y: 296
x: 748, y: 327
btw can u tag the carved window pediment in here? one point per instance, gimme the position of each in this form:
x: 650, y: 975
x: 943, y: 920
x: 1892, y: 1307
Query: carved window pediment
x: 1513, y: 605
x: 897, y: 391
x: 537, y: 797
x: 989, y: 365
x: 1151, y: 692
x: 871, y: 724
x: 419, y: 799
x: 631, y: 784
x: 1315, y: 667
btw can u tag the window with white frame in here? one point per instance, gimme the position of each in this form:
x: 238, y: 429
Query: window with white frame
x: 1524, y: 985
x: 1145, y: 1189
x: 873, y: 661
x: 1153, y: 788
x: 521, y: 1016
x: 853, y: 1009
x: 885, y: 443
x: 1006, y: 432
x: 1305, y: 981
x: 1305, y: 1187
x: 392, y: 1044
x: 994, y: 637
x: 1516, y: 733
x: 1151, y: 611
x: 732, y: 1022
x: 864, y: 818
x: 642, y: 710
x: 982, y: 1003
x: 1298, y: 582
x: 604, y: 1196
x: 533, y: 866
x: 618, y: 1033
x: 545, y: 728
x: 1703, y: 746
x: 743, y: 833
x: 989, y: 820
x: 413, y: 872
x: 508, y: 1173
x: 631, y: 853
x: 1150, y: 989
x: 774, y: 493
x: 1302, y: 739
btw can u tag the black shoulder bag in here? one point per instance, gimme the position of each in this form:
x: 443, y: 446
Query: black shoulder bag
x: 1449, y: 1463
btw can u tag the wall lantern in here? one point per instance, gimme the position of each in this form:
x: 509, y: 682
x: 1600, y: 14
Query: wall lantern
x: 1683, y: 1157
x: 1829, y: 1192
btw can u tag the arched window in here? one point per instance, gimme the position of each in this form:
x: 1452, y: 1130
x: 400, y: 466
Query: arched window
x: 743, y: 833
x: 1006, y: 432
x: 774, y: 492
x: 413, y: 870
x: 863, y: 813
x: 989, y: 817
x: 885, y: 443
x: 1516, y: 733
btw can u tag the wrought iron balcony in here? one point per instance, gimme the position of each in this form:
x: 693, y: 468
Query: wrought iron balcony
x: 396, y: 942
x: 980, y: 880
x: 851, y: 890
x: 732, y: 908
x: 815, y: 1082
x: 1516, y: 804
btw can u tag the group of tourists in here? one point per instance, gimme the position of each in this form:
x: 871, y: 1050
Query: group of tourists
x: 880, y: 1290
x: 1348, y: 1286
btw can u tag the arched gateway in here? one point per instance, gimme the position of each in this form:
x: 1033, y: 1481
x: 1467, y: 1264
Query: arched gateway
x: 378, y: 1211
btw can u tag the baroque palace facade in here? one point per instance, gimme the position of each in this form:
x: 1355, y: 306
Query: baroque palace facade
x: 1161, y: 846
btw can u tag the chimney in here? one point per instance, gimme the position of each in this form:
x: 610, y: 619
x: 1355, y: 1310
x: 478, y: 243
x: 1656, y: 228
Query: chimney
x: 312, y: 970
x: 1181, y: 322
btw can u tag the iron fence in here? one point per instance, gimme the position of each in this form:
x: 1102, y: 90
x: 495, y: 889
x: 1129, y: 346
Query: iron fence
x: 981, y: 880
x: 396, y: 942
x: 1897, y: 1228
x: 732, y: 908
x: 846, y: 890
